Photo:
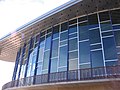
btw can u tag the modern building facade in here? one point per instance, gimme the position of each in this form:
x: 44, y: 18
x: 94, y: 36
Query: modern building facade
x: 75, y: 46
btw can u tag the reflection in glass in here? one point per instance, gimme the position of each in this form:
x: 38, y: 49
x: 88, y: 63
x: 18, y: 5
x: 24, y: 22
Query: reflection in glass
x: 93, y: 21
x: 72, y: 29
x: 106, y: 26
x: 73, y: 44
x: 83, y: 31
x: 94, y: 36
x: 53, y: 65
x: 48, y: 42
x: 64, y: 36
x: 63, y: 56
x: 109, y: 48
x: 97, y: 59
x: 73, y: 55
x: 73, y: 64
x: 117, y: 37
x: 55, y: 46
x: 55, y: 32
x: 84, y: 52
x: 104, y: 16
x: 46, y: 59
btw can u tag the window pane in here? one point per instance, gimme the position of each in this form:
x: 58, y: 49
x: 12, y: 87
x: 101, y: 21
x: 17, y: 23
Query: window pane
x: 107, y: 33
x: 109, y: 48
x: 41, y: 53
x: 64, y: 36
x: 83, y: 31
x: 95, y: 46
x: 111, y: 63
x: 117, y: 37
x: 48, y: 42
x: 72, y: 21
x: 84, y: 52
x: 115, y: 16
x: 64, y: 42
x: 46, y: 59
x: 82, y: 18
x: 62, y: 69
x: 106, y: 26
x: 95, y: 36
x: 73, y: 55
x: 49, y: 30
x: 53, y: 65
x: 63, y: 56
x: 97, y: 59
x: 55, y: 48
x: 73, y: 44
x: 73, y: 64
x: 73, y: 35
x: 64, y: 26
x: 39, y: 70
x: 93, y: 21
x: 104, y: 16
x: 73, y: 29
x: 84, y: 66
x: 56, y: 32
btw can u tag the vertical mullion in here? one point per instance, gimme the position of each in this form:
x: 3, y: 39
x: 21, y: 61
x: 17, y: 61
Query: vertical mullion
x: 21, y: 60
x: 36, y: 60
x: 16, y: 65
x: 49, y: 66
x: 102, y: 43
x: 30, y: 43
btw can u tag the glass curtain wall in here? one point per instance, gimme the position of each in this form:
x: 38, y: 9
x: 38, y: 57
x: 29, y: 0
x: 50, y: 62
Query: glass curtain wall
x: 89, y: 41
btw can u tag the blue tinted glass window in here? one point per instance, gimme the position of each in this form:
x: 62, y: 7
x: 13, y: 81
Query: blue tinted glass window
x: 73, y: 35
x: 73, y: 44
x: 63, y: 56
x: 83, y: 31
x: 39, y: 70
x: 106, y: 26
x: 95, y: 36
x: 97, y: 59
x: 107, y: 33
x: 116, y: 27
x: 64, y: 42
x: 73, y: 64
x: 64, y: 26
x: 73, y: 29
x: 48, y: 42
x: 72, y: 21
x: 84, y: 52
x: 104, y: 16
x: 73, y: 55
x: 117, y: 37
x: 82, y: 19
x: 55, y: 46
x: 53, y: 65
x: 93, y: 21
x: 42, y: 39
x: 84, y: 66
x: 56, y: 32
x: 111, y: 63
x: 115, y: 15
x: 62, y: 69
x: 92, y: 47
x: 109, y: 48
x: 64, y: 36
x: 46, y: 59
x: 41, y: 53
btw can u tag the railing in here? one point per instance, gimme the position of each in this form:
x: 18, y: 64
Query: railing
x: 74, y: 75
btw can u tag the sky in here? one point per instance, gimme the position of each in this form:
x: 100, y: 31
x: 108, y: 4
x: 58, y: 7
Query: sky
x: 15, y: 13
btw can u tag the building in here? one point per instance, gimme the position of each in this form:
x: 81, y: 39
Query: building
x: 75, y: 46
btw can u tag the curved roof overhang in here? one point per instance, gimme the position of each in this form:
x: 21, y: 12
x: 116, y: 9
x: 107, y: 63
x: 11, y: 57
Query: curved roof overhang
x: 10, y: 44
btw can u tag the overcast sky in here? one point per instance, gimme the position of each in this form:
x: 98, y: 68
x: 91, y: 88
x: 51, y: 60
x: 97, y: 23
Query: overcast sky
x: 15, y: 13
